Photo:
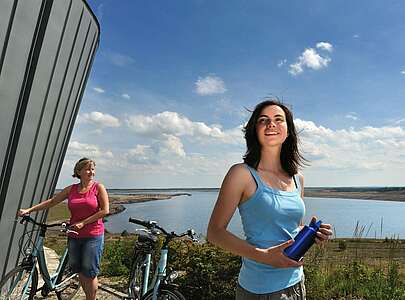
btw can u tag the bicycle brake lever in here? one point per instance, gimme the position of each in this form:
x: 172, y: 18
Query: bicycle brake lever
x: 72, y: 231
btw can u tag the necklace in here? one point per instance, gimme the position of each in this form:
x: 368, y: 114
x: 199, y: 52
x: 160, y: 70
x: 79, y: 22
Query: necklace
x: 274, y: 180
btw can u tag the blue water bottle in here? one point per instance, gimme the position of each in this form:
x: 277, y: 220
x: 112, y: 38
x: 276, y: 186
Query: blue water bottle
x: 303, y: 241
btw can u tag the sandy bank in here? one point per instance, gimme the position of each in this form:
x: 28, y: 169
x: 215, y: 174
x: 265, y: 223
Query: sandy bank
x: 383, y: 194
x: 117, y: 201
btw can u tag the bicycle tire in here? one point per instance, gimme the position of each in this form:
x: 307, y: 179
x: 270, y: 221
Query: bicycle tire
x: 135, y: 283
x: 165, y: 293
x: 18, y: 279
x: 72, y: 286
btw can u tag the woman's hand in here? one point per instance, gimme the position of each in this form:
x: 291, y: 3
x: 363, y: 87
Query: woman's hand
x: 77, y: 226
x: 23, y: 212
x: 323, y: 234
x: 275, y: 256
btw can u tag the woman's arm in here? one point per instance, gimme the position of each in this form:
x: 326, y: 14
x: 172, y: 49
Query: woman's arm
x: 57, y: 198
x: 102, y: 212
x: 232, y: 191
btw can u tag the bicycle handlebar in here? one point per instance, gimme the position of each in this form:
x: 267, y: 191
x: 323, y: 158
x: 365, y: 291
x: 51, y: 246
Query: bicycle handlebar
x: 64, y: 225
x: 153, y: 225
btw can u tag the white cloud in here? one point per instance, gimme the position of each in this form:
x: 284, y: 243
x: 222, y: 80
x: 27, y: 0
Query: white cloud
x: 356, y: 36
x: 352, y: 115
x: 311, y: 59
x: 119, y: 59
x: 210, y: 85
x: 324, y: 46
x: 172, y: 123
x: 99, y: 90
x: 181, y: 154
x: 281, y: 63
x: 174, y: 145
x: 403, y: 72
x: 399, y: 121
x: 99, y: 119
x: 77, y: 150
x: 367, y: 148
x: 126, y: 96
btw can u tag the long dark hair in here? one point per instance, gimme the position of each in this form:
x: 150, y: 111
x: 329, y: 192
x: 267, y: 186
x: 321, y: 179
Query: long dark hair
x: 290, y: 156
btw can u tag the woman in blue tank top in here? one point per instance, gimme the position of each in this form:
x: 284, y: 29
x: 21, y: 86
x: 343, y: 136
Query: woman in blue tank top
x: 268, y: 192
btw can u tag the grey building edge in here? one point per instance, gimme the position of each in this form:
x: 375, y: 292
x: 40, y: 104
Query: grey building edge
x: 47, y: 48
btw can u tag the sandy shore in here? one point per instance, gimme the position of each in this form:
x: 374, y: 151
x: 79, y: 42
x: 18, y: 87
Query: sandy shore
x: 117, y: 201
x: 384, y: 194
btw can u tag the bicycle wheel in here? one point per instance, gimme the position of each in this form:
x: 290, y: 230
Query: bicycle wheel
x: 165, y: 293
x: 136, y: 278
x: 68, y: 280
x: 16, y: 281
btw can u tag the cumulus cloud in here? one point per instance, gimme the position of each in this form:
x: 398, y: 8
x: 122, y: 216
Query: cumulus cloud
x: 172, y: 123
x: 77, y: 149
x: 311, y: 59
x: 99, y: 119
x: 210, y: 85
x: 126, y: 96
x: 174, y: 145
x: 99, y: 90
x: 367, y: 148
x: 324, y: 46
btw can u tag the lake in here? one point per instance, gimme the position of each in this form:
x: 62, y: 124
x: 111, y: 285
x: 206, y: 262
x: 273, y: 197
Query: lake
x: 380, y: 219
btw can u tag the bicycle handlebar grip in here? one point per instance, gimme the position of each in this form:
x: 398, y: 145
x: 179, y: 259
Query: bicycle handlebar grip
x: 139, y: 222
x: 25, y: 218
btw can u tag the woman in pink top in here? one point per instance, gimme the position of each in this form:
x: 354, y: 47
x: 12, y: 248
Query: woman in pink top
x: 88, y: 204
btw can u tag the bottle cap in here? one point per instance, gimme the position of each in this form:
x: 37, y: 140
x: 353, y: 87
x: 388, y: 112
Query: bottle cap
x: 315, y: 225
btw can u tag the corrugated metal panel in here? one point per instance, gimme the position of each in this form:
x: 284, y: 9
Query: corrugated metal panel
x: 47, y: 50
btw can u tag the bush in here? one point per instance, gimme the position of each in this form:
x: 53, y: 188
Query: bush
x: 117, y: 257
x: 207, y: 272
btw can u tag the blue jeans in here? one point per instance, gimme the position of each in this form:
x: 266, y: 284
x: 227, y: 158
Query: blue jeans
x: 295, y: 292
x: 85, y: 255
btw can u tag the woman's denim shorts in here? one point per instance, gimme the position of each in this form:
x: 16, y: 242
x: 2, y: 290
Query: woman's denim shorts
x: 85, y: 255
x: 295, y: 292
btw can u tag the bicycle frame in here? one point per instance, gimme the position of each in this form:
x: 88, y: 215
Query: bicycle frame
x: 161, y: 272
x: 50, y: 280
x: 158, y: 276
x: 38, y: 255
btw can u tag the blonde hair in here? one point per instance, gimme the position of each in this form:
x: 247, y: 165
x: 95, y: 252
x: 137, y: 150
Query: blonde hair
x: 83, y: 162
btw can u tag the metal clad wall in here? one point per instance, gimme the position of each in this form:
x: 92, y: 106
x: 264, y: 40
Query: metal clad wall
x: 47, y: 47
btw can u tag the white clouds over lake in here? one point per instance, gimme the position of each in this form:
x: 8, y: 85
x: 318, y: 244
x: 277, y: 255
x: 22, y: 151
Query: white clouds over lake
x: 172, y: 143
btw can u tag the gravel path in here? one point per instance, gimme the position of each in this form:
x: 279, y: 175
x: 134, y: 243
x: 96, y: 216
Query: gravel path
x: 52, y: 260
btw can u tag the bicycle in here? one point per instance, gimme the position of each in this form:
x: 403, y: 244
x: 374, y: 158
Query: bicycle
x: 161, y: 285
x: 22, y: 282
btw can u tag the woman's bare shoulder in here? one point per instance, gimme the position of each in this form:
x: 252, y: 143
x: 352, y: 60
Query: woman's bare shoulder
x: 239, y: 170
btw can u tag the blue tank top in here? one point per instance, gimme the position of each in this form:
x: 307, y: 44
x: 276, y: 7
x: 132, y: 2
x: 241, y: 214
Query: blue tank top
x: 270, y: 217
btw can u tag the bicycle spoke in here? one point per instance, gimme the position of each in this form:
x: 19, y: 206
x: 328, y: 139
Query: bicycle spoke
x: 19, y: 284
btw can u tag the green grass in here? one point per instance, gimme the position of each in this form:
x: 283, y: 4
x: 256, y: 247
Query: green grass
x: 58, y: 212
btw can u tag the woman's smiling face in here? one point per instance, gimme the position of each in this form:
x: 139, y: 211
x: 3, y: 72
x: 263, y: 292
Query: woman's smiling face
x: 271, y: 126
x: 88, y: 172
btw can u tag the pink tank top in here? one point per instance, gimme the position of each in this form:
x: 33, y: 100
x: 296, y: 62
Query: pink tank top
x: 82, y: 206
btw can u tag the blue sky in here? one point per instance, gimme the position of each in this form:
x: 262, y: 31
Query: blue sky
x: 171, y: 81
